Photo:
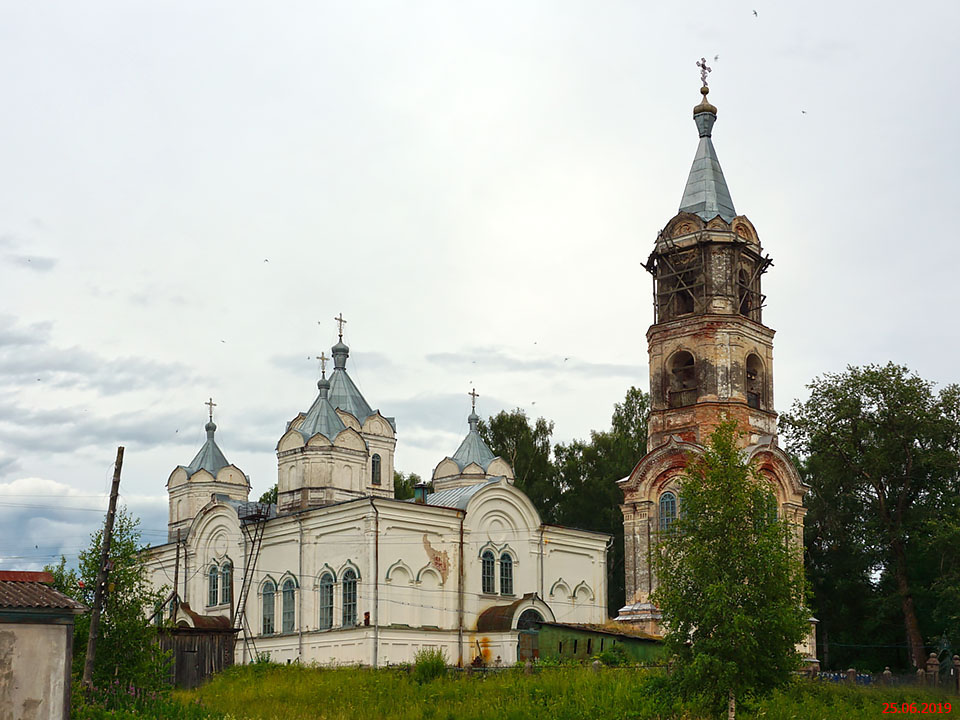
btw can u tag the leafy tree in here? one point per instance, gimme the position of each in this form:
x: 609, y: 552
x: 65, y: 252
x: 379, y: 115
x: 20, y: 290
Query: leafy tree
x: 403, y: 484
x: 587, y: 472
x: 880, y: 450
x: 730, y: 580
x: 127, y: 651
x: 270, y: 496
x: 527, y: 448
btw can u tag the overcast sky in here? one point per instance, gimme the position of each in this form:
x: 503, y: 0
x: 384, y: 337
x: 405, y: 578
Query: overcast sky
x: 191, y: 191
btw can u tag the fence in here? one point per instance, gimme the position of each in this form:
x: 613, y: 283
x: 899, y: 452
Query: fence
x: 935, y: 674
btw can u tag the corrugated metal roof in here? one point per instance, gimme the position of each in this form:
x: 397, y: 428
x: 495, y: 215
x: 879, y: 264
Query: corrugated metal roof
x: 36, y: 595
x: 210, y: 457
x: 458, y: 497
x: 706, y: 192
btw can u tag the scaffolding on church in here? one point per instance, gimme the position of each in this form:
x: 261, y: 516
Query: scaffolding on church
x: 253, y: 522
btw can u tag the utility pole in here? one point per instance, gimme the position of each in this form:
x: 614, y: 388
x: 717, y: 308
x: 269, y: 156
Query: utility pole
x: 102, y: 573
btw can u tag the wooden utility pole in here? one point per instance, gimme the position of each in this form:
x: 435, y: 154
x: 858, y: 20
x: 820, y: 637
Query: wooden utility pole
x: 102, y: 573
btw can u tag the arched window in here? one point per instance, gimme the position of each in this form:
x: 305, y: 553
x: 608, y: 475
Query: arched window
x: 529, y: 619
x: 668, y: 510
x: 326, y: 601
x: 506, y: 574
x: 682, y: 380
x: 289, y: 612
x: 213, y: 595
x: 226, y: 583
x: 754, y: 381
x: 488, y: 562
x: 349, y: 598
x: 375, y: 469
x: 269, y: 607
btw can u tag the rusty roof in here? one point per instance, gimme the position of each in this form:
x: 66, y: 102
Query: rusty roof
x: 31, y: 591
x: 203, y: 622
x: 500, y: 617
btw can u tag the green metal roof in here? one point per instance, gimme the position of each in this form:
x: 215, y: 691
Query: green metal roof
x: 210, y: 457
x: 706, y: 192
x: 343, y: 393
x: 473, y: 449
x: 322, y: 417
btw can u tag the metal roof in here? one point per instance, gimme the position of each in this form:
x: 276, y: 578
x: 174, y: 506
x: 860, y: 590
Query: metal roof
x: 473, y: 449
x: 458, y: 497
x: 34, y: 592
x: 706, y: 192
x: 210, y: 457
x: 321, y: 417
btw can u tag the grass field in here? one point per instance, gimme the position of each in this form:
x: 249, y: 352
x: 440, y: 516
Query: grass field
x: 268, y: 692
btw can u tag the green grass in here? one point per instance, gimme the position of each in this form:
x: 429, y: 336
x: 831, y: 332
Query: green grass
x: 268, y: 692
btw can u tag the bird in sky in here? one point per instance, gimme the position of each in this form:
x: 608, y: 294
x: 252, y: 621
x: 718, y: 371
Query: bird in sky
x: 716, y: 57
x: 803, y: 112
x: 755, y: 14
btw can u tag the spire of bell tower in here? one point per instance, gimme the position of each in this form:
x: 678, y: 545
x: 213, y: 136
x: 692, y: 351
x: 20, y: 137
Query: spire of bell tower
x: 706, y: 193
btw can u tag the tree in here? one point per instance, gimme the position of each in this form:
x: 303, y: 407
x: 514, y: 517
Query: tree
x: 587, y: 472
x: 270, y: 496
x: 127, y: 650
x: 403, y: 484
x: 527, y: 448
x: 730, y: 580
x: 880, y: 450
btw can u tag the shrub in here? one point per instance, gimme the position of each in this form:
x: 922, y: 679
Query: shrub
x: 614, y: 656
x: 429, y: 664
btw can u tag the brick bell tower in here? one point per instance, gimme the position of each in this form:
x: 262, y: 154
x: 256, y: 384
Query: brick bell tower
x: 711, y: 358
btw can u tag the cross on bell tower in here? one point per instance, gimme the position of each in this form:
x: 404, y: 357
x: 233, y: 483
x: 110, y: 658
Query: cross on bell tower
x: 211, y: 405
x: 340, y: 322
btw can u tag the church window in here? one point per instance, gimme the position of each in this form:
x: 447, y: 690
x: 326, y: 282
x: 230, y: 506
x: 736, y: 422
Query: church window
x: 326, y: 601
x: 269, y: 607
x: 289, y: 611
x: 375, y: 469
x: 754, y: 381
x: 213, y: 575
x: 487, y: 572
x: 668, y: 510
x: 529, y: 619
x: 226, y: 583
x: 682, y: 379
x: 506, y: 574
x: 349, y: 598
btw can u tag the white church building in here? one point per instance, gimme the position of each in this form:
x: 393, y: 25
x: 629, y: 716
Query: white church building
x: 338, y: 571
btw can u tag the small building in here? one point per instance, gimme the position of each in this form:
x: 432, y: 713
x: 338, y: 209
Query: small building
x: 557, y: 641
x: 36, y: 646
x: 200, y: 646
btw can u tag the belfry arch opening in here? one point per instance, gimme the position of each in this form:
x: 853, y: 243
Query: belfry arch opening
x: 755, y: 386
x: 745, y: 296
x: 682, y: 380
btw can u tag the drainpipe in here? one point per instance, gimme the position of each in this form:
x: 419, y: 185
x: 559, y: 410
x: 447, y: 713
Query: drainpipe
x: 300, y: 595
x: 463, y: 514
x: 542, y: 596
x: 376, y: 582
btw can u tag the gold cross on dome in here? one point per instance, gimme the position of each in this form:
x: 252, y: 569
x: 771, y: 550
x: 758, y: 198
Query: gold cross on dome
x: 702, y: 64
x: 323, y: 364
x: 341, y: 322
x: 473, y: 399
x: 211, y: 404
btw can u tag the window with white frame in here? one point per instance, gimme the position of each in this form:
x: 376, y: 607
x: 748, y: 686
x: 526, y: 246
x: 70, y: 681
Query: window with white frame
x: 506, y: 574
x: 326, y: 601
x: 349, y: 616
x: 288, y: 614
x: 213, y: 594
x: 226, y: 583
x: 487, y: 573
x: 269, y: 607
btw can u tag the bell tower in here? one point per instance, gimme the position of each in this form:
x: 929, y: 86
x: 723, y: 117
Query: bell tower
x: 711, y: 359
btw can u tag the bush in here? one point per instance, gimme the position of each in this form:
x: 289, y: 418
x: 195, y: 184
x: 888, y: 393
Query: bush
x: 614, y: 656
x: 429, y: 664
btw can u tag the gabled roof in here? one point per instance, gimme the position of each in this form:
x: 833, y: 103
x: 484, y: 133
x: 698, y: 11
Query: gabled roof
x: 31, y: 590
x: 473, y: 449
x: 210, y: 457
x: 706, y: 193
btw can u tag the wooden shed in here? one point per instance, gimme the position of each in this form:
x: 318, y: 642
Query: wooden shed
x: 200, y: 645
